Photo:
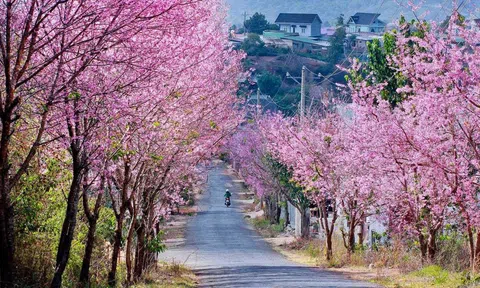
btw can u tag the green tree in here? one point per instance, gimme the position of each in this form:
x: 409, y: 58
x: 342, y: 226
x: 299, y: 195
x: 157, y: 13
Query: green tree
x: 273, y: 27
x: 381, y: 68
x: 252, y: 45
x: 269, y: 83
x: 336, y: 49
x: 257, y: 24
x: 291, y: 191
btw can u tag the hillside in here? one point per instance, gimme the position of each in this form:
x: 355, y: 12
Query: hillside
x: 328, y: 10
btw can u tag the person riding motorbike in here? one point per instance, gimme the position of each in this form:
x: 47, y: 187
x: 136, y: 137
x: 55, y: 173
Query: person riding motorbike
x: 227, y: 196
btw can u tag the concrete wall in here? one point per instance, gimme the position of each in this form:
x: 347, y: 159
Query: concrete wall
x: 316, y: 29
x: 374, y: 28
x: 308, y: 30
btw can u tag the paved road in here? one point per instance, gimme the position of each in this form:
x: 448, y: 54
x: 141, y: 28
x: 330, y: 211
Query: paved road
x: 225, y: 252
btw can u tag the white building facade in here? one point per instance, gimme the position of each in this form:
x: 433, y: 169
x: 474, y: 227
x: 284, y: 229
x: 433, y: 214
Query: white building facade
x: 365, y: 23
x: 307, y: 25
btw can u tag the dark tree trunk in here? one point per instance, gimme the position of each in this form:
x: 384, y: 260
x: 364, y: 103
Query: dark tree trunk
x: 140, y: 259
x: 432, y: 245
x: 87, y: 257
x: 328, y: 228
x: 117, y: 244
x: 70, y: 221
x: 329, y: 247
x: 423, y: 246
x: 7, y: 239
x: 7, y: 232
x: 287, y: 214
x: 273, y: 210
x: 92, y: 228
x: 305, y: 229
x: 351, y: 235
x: 328, y: 233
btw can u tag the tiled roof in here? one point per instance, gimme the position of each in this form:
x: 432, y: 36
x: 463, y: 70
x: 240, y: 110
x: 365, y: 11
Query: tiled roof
x: 364, y: 18
x: 296, y: 18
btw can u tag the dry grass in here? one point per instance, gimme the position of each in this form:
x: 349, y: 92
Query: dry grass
x: 393, y: 266
x: 168, y: 276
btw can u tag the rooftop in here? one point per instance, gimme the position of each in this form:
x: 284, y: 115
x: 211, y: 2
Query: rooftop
x: 276, y: 34
x: 309, y: 40
x: 364, y: 18
x: 297, y: 18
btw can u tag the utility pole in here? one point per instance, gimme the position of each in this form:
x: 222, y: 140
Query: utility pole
x: 245, y: 14
x: 303, y: 91
x: 258, y: 101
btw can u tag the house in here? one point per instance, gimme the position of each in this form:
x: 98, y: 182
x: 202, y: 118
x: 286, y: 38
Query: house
x: 474, y: 24
x: 306, y: 25
x: 276, y: 39
x: 357, y: 44
x: 365, y: 23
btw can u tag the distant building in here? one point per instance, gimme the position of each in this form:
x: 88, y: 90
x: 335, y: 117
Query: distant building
x: 474, y: 24
x: 276, y: 39
x: 365, y: 23
x: 308, y: 45
x: 358, y: 44
x: 306, y: 25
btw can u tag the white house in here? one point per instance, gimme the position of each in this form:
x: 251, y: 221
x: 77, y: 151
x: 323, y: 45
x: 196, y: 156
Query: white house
x: 307, y: 25
x: 473, y: 24
x: 365, y: 23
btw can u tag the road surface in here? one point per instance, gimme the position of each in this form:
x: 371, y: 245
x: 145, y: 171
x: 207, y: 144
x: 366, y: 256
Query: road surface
x: 225, y: 252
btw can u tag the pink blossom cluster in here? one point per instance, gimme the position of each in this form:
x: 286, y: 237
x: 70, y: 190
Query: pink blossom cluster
x: 133, y: 96
x: 415, y: 165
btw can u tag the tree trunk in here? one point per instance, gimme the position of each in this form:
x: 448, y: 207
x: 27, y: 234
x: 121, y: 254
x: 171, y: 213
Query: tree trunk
x: 272, y: 209
x: 432, y: 244
x: 7, y: 238
x: 87, y: 257
x: 92, y: 228
x: 305, y: 229
x: 128, y: 251
x: 423, y: 247
x: 322, y: 207
x: 7, y: 233
x: 140, y: 259
x: 328, y: 246
x: 471, y: 245
x: 361, y: 234
x: 70, y: 221
x: 112, y: 275
x: 287, y: 214
x: 279, y: 209
x: 351, y: 236
x: 476, y: 258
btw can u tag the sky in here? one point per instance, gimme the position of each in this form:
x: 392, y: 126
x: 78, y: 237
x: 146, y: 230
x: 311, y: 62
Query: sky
x: 328, y: 10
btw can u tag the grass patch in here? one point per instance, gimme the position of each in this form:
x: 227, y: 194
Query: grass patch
x: 266, y: 229
x: 431, y: 276
x: 168, y: 275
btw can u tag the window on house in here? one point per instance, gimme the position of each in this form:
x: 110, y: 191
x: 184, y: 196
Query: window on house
x: 304, y: 30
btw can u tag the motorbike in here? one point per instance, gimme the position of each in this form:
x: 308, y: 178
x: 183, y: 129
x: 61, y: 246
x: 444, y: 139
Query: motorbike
x: 227, y: 202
